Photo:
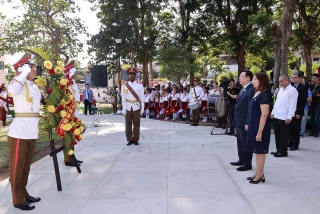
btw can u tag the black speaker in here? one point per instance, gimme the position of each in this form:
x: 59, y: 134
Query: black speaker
x: 99, y: 76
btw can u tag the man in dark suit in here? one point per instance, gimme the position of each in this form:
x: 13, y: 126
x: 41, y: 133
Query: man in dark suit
x: 240, y: 120
x: 87, y: 97
x: 294, y: 133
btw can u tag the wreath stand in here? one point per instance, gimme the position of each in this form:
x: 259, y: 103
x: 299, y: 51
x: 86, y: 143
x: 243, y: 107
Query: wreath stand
x: 53, y: 154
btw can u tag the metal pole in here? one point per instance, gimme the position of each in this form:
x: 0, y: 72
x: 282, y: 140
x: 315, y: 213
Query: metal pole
x: 119, y: 76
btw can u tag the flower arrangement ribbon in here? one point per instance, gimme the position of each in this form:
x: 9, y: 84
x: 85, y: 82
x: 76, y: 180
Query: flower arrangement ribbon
x: 66, y: 119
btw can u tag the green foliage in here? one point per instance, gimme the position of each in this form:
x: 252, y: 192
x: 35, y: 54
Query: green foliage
x: 174, y: 64
x: 228, y: 75
x: 315, y: 67
x: 48, y: 30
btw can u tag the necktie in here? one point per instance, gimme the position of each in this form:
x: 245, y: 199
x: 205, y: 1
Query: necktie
x: 241, y: 91
x: 88, y: 93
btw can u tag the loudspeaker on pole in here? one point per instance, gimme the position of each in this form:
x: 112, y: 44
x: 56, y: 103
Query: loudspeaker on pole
x: 99, y: 76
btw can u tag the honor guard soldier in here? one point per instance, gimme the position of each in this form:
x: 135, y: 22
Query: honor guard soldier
x: 71, y: 73
x: 74, y: 89
x: 132, y: 95
x: 195, y: 95
x: 23, y: 131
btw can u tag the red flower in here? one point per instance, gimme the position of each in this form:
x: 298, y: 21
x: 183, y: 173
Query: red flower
x: 67, y: 75
x: 61, y: 87
x: 51, y: 71
x: 70, y: 82
x: 57, y: 110
x: 69, y: 104
x: 71, y: 130
x: 71, y: 143
x: 75, y: 143
x: 49, y: 90
x: 75, y: 119
x: 60, y: 107
x: 77, y: 138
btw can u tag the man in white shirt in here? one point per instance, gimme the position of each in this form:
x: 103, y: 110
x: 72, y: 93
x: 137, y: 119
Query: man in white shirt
x: 195, y: 96
x: 282, y: 113
x: 23, y: 131
x: 132, y: 107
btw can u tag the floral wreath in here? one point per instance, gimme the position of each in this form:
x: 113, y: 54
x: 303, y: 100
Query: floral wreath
x: 59, y: 106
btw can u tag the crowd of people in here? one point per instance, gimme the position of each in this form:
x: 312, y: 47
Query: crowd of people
x: 288, y: 108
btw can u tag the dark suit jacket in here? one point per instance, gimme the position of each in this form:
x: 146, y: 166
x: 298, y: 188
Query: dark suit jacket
x: 302, y: 99
x: 242, y: 105
x: 90, y: 94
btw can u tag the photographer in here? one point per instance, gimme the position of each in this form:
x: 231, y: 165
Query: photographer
x: 315, y: 105
x: 232, y: 93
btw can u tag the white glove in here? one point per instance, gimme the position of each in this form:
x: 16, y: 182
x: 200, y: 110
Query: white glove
x: 124, y: 111
x: 25, y: 68
x: 141, y: 111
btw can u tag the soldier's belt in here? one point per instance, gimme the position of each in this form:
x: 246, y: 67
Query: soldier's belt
x: 132, y: 101
x: 27, y: 114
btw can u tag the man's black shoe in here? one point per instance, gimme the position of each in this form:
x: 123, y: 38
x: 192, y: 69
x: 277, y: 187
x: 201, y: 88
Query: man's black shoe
x: 230, y: 133
x: 32, y: 199
x: 244, y: 168
x: 71, y: 164
x: 218, y: 127
x: 192, y: 124
x: 238, y: 163
x: 293, y: 148
x: 130, y: 142
x: 135, y: 143
x: 273, y: 153
x: 195, y: 124
x: 25, y: 206
x: 280, y: 155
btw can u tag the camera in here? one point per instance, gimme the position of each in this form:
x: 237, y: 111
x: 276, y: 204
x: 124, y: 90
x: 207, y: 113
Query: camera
x: 224, y: 83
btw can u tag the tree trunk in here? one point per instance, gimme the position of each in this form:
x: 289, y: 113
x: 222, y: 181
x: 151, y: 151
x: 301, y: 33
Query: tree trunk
x: 240, y: 58
x: 145, y: 72
x: 283, y: 35
x: 151, y: 71
x: 191, y: 78
x: 308, y: 58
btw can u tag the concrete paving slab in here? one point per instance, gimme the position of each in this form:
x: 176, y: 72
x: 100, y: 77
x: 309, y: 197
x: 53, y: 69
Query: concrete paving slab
x: 126, y: 206
x: 175, y: 169
x: 227, y: 204
x: 203, y: 182
x: 133, y: 185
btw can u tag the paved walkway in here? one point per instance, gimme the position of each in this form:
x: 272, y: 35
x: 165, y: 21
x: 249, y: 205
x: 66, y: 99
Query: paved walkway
x: 176, y: 169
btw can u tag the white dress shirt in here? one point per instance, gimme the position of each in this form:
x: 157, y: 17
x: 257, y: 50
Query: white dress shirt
x: 184, y: 97
x: 24, y: 127
x: 286, y: 103
x: 126, y: 95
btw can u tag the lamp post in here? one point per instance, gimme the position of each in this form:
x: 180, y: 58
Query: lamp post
x: 118, y: 41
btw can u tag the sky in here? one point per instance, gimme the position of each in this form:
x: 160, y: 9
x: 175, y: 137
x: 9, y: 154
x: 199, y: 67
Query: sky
x: 89, y: 18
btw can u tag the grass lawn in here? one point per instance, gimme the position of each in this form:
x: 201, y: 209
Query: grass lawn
x: 42, y: 142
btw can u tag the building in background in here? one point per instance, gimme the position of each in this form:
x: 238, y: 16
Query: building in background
x: 3, y: 71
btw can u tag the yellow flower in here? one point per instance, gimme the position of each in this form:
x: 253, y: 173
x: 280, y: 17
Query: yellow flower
x: 40, y: 81
x: 81, y: 137
x: 47, y: 64
x: 71, y: 97
x: 70, y: 152
x: 58, y: 69
x: 67, y: 127
x: 63, y: 113
x: 63, y: 102
x: 77, y: 131
x: 51, y: 108
x: 63, y: 81
x: 81, y: 128
x: 60, y: 63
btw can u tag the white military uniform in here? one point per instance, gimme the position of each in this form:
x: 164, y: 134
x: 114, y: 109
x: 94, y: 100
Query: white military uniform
x: 193, y: 91
x: 24, y: 127
x: 129, y: 102
x: 75, y: 91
